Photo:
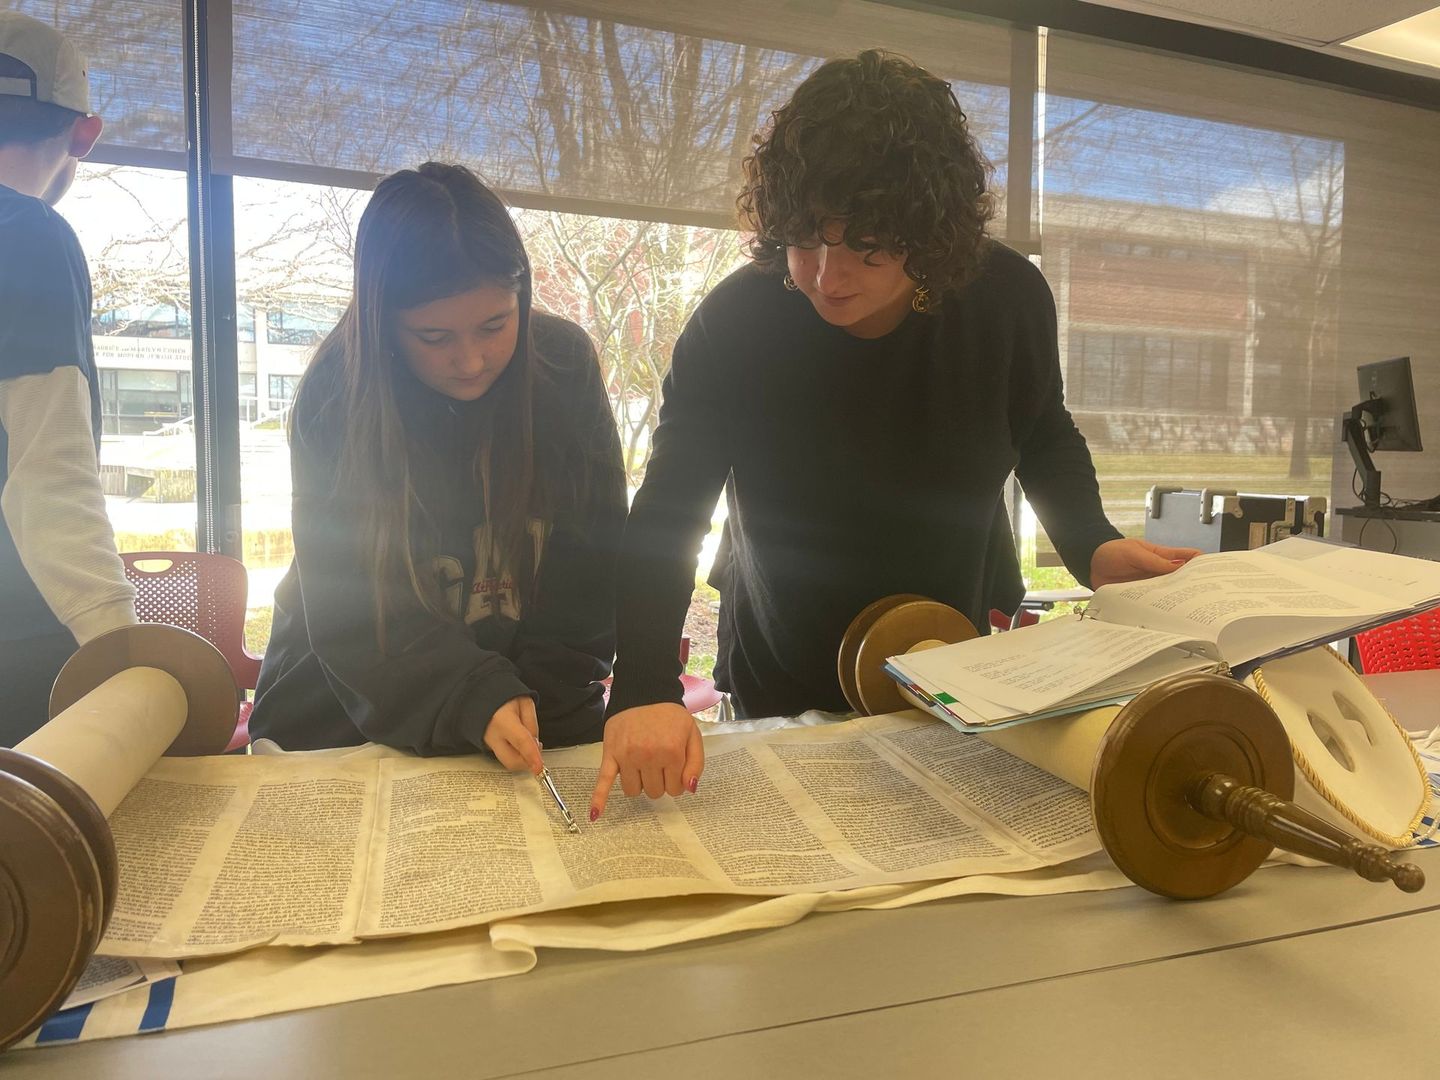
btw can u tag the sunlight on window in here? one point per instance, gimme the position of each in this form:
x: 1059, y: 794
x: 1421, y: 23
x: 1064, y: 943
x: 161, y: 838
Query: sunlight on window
x: 132, y: 225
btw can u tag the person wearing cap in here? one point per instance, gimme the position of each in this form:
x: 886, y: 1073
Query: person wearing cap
x: 61, y: 581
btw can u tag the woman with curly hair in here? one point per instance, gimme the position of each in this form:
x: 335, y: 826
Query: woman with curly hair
x: 861, y: 392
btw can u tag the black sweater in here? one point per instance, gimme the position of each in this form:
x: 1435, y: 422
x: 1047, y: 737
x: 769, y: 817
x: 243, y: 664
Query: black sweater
x: 853, y: 469
x: 325, y: 681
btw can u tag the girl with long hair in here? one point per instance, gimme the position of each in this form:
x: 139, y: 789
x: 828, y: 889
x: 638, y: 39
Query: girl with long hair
x: 458, y: 500
x: 861, y: 392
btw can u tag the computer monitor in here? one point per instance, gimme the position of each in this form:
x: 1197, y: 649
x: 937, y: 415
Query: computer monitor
x: 1384, y: 419
x: 1395, y: 425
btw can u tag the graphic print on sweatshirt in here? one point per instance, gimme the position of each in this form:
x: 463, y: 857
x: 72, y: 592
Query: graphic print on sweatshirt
x: 492, y: 591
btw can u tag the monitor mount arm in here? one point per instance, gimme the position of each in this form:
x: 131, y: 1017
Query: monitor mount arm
x: 1357, y: 439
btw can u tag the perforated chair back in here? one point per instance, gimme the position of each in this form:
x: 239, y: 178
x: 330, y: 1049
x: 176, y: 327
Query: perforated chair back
x: 198, y: 592
x: 1411, y: 644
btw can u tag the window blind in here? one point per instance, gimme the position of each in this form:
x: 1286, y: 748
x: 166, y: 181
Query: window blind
x: 1225, y: 247
x: 635, y: 109
x: 133, y: 51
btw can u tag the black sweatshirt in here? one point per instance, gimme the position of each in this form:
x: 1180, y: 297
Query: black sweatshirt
x: 325, y: 682
x: 853, y: 469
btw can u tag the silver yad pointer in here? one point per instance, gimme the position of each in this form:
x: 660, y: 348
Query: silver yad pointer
x: 570, y: 824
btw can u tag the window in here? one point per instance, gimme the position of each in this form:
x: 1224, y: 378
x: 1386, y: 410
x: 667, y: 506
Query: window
x: 141, y: 402
x: 1146, y: 373
x: 1129, y: 372
x: 131, y: 223
x: 249, y: 399
x: 284, y: 232
x: 646, y: 107
x: 300, y: 325
x: 1092, y: 359
x: 619, y: 136
x: 1191, y: 229
x: 133, y: 49
x: 1190, y: 214
x: 161, y: 321
x: 282, y: 391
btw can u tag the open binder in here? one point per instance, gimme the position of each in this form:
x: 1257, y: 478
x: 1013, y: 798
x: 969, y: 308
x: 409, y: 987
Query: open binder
x: 1225, y: 612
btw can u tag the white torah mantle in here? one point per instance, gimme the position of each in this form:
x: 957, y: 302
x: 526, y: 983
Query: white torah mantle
x: 1355, y: 766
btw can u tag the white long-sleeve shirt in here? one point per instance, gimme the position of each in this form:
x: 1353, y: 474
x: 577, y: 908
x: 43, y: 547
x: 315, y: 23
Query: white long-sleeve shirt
x: 53, y: 505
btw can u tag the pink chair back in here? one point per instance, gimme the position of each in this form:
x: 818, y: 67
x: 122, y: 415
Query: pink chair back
x: 199, y: 592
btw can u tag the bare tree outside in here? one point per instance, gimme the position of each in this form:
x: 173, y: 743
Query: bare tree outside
x: 632, y: 285
x: 1195, y: 267
x: 1304, y: 297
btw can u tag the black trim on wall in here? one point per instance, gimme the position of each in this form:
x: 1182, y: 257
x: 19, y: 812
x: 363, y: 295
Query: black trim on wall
x: 214, y: 352
x: 1202, y: 42
x: 1020, y: 148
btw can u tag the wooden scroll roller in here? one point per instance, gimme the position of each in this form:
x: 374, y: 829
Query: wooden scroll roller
x: 119, y: 703
x: 1190, y: 783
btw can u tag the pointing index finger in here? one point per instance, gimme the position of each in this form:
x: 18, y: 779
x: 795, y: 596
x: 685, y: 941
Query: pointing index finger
x: 604, y: 782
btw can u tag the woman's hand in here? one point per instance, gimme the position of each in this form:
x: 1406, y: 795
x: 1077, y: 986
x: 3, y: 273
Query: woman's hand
x: 1132, y: 560
x: 656, y: 749
x: 514, y: 736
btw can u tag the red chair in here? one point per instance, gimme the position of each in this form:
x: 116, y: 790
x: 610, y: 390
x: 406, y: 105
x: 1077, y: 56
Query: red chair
x: 206, y: 595
x: 1411, y: 644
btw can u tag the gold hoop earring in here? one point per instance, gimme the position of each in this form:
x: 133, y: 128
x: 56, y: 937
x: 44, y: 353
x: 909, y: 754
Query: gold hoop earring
x: 921, y: 300
x: 790, y: 283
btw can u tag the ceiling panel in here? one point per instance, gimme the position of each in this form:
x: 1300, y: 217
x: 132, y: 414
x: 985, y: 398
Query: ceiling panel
x: 1310, y: 22
x: 1416, y: 40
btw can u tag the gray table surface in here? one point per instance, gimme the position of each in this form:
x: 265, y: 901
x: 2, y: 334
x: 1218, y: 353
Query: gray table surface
x: 1293, y: 973
x: 1289, y: 965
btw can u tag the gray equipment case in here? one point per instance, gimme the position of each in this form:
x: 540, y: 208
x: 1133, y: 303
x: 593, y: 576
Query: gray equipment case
x: 1214, y: 519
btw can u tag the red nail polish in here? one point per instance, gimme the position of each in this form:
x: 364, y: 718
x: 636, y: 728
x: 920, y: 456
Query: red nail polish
x: 594, y: 813
x: 694, y: 783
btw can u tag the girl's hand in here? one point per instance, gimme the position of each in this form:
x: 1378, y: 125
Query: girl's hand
x: 656, y: 749
x: 1132, y: 560
x: 514, y: 736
